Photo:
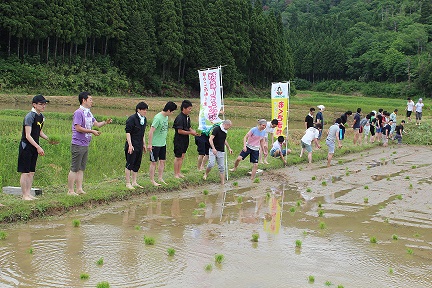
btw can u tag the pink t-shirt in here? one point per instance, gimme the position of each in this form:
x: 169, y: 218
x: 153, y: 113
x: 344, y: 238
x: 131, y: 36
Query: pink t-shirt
x: 254, y: 138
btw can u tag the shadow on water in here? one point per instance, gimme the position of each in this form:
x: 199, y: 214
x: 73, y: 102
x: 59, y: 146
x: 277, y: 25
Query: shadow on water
x: 200, y: 226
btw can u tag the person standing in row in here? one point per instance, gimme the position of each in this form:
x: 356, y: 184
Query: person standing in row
x: 252, y: 142
x: 183, y: 129
x: 357, y: 128
x: 135, y: 144
x: 419, y: 111
x: 157, y: 141
x: 409, y: 109
x: 29, y: 147
x: 217, y: 154
x: 332, y: 137
x: 309, y: 119
x: 319, y: 118
x: 82, y: 124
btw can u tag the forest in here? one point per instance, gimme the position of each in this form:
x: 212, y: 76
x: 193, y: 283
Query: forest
x: 376, y: 47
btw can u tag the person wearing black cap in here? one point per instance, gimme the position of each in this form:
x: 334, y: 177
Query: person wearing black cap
x: 29, y: 147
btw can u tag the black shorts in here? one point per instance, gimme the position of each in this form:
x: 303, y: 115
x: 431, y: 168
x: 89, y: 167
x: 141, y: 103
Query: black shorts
x: 27, y: 158
x: 158, y: 153
x: 133, y: 161
x: 372, y: 130
x: 180, y: 146
x: 408, y: 114
x: 203, y: 145
x: 254, y: 155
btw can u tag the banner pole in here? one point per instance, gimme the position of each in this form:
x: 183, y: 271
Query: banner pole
x: 289, y: 92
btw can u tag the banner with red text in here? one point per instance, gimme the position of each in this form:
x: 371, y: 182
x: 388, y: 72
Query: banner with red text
x: 210, y: 98
x: 280, y: 105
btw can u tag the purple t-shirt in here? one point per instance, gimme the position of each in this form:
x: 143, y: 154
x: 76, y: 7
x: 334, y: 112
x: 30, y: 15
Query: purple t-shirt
x: 85, y: 120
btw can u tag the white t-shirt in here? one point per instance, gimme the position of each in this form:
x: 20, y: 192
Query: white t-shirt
x: 410, y: 105
x: 276, y: 146
x: 419, y: 107
x: 268, y: 129
x: 311, y: 134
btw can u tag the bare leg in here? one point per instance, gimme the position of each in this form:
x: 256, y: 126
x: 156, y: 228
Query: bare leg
x: 26, y: 182
x: 178, y: 161
x: 254, y: 170
x: 134, y: 180
x: 310, y: 157
x: 127, y: 176
x: 79, y: 182
x: 206, y: 173
x: 329, y: 158
x: 71, y: 183
x: 200, y: 164
x: 236, y: 163
x: 161, y: 170
x: 222, y: 177
x: 152, y: 170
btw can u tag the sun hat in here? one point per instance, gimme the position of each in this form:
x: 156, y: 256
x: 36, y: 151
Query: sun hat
x: 321, y: 107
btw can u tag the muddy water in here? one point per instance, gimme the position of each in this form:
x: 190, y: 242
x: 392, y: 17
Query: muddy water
x: 340, y: 253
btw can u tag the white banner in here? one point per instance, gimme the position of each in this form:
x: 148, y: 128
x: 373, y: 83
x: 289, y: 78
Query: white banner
x: 210, y: 98
x: 280, y: 90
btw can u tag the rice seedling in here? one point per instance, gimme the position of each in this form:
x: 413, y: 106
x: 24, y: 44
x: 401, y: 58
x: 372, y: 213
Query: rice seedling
x: 322, y: 225
x: 208, y: 267
x: 292, y: 209
x: 366, y: 200
x: 391, y: 271
x: 373, y: 240
x: 219, y: 258
x: 320, y: 213
x: 137, y: 227
x: 340, y: 161
x: 413, y: 167
x: 3, y: 235
x: 340, y: 286
x: 368, y: 168
x: 76, y: 223
x: 255, y: 237
x: 399, y: 197
x: 311, y: 279
x: 394, y: 152
x: 240, y: 199
x: 393, y: 161
x: 410, y: 251
x: 205, y: 192
x: 308, y: 190
x: 366, y: 187
x: 153, y: 198
x: 268, y: 195
x: 298, y: 243
x: 100, y: 262
x: 84, y: 276
x: 149, y: 240
x: 196, y: 212
x: 171, y: 251
x: 381, y: 207
x: 319, y: 204
x: 256, y: 180
x: 410, y: 186
x: 407, y: 177
x: 103, y: 284
x: 305, y: 233
x: 30, y: 250
x: 235, y: 183
x: 416, y: 235
x: 328, y: 283
x: 347, y: 173
x: 386, y: 220
x: 299, y: 203
x: 202, y: 205
x: 395, y: 237
x: 301, y: 169
x: 388, y: 179
x: 324, y: 183
x: 313, y: 177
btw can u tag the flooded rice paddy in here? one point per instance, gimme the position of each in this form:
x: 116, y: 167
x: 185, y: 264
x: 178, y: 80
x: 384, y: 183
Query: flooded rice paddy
x: 355, y: 224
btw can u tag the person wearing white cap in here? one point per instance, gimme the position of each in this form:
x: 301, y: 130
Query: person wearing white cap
x: 29, y: 147
x: 419, y: 111
x: 409, y: 109
x: 252, y: 142
x: 319, y: 118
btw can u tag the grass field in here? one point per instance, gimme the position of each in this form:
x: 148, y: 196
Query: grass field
x: 104, y: 177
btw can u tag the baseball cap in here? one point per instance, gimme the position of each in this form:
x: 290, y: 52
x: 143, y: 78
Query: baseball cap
x: 39, y: 99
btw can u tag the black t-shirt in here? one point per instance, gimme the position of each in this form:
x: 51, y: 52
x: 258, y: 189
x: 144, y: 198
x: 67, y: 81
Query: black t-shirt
x: 399, y: 129
x: 309, y: 121
x: 219, y: 139
x: 136, y: 131
x: 182, y: 121
x: 36, y: 122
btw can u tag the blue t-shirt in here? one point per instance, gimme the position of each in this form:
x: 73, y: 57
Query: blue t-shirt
x: 357, y: 121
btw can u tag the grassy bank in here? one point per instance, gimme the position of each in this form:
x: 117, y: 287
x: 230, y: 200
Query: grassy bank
x: 104, y: 177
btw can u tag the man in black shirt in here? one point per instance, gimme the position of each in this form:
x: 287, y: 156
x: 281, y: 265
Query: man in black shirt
x: 217, y: 143
x: 183, y: 129
x: 29, y: 147
x: 309, y: 120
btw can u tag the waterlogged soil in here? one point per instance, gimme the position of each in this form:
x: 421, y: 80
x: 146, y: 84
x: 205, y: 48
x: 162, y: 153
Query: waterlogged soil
x: 334, y: 215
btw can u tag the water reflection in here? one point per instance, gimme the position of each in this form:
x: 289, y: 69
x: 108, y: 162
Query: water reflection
x: 341, y: 253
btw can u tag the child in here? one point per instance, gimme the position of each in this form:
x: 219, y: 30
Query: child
x: 278, y: 151
x: 399, y: 131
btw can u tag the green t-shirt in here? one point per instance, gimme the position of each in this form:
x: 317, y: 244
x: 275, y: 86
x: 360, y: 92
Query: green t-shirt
x: 160, y: 123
